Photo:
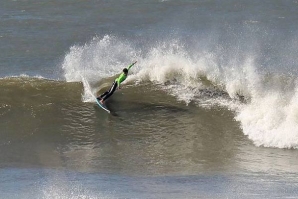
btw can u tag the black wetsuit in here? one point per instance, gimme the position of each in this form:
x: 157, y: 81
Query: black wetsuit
x: 108, y: 93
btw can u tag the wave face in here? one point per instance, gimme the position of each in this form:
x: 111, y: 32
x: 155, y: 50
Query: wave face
x: 207, y: 71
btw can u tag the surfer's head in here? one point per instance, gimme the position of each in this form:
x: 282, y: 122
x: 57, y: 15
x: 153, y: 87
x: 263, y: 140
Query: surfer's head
x: 125, y: 71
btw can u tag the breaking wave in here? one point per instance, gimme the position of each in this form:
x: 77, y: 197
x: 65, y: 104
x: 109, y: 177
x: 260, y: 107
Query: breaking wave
x: 264, y: 100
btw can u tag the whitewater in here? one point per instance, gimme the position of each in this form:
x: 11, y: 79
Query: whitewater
x: 209, y: 110
x: 264, y: 102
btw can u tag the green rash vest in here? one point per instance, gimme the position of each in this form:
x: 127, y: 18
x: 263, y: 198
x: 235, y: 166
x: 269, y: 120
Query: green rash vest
x: 122, y: 77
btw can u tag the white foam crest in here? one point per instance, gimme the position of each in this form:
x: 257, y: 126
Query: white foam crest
x: 100, y: 58
x: 271, y: 118
x: 242, y: 80
x: 24, y: 76
x: 88, y: 95
x: 268, y: 117
x: 169, y: 64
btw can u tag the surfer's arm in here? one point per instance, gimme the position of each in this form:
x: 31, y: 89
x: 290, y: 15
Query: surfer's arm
x: 123, y: 75
x: 131, y: 65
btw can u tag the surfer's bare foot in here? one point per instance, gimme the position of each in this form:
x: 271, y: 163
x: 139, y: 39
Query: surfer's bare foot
x: 101, y: 101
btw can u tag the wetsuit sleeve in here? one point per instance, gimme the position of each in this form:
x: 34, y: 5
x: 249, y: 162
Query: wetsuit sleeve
x: 131, y: 65
x: 122, y: 77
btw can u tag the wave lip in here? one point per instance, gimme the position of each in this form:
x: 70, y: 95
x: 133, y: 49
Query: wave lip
x: 271, y: 120
x: 263, y: 101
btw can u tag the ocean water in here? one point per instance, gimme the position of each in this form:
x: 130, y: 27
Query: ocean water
x: 209, y: 110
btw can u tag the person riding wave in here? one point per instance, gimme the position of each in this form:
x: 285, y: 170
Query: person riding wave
x: 116, y: 84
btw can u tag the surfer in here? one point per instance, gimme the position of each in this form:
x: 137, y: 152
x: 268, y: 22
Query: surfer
x: 116, y: 84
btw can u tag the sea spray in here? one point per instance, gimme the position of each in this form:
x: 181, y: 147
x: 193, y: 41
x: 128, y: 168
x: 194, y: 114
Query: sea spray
x: 268, y: 114
x: 101, y: 58
x: 94, y: 61
x: 271, y: 118
x: 263, y: 101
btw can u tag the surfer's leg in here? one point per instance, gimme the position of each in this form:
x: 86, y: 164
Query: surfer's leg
x: 104, y: 94
x: 111, y: 91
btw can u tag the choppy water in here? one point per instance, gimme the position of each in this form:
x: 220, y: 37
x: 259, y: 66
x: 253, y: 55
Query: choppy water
x: 209, y: 111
